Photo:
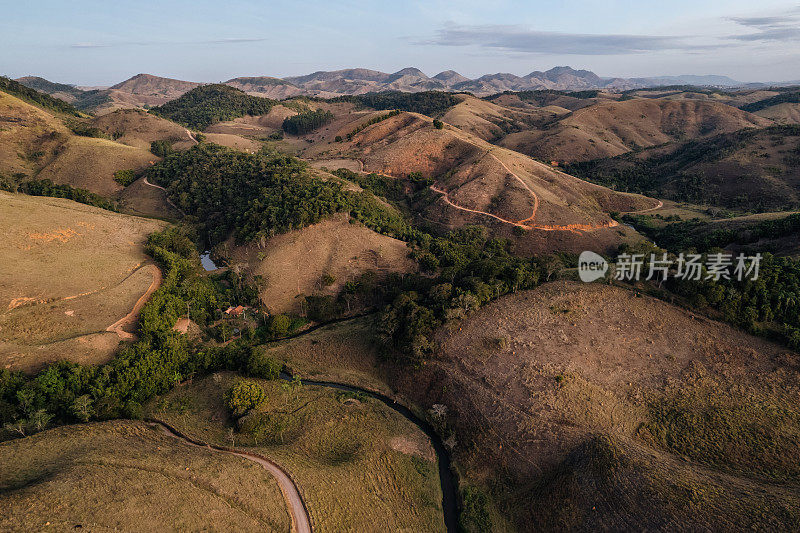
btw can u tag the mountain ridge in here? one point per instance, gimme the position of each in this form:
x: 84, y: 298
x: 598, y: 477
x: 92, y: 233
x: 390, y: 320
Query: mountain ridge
x: 354, y: 81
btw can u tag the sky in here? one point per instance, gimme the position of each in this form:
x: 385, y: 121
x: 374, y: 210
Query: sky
x: 98, y: 43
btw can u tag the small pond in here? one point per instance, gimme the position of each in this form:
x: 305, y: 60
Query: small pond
x: 208, y: 264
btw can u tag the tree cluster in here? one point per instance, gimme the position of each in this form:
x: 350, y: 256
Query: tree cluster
x: 425, y: 103
x: 306, y: 122
x: 209, y: 104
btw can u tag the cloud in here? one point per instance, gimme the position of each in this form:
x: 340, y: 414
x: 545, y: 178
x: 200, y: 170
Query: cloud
x: 521, y: 39
x: 234, y: 40
x: 785, y: 27
x: 229, y: 40
x: 89, y: 45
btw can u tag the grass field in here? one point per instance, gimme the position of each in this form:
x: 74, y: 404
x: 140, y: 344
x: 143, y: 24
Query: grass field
x: 68, y: 272
x: 359, y: 465
x: 129, y: 476
x: 333, y: 247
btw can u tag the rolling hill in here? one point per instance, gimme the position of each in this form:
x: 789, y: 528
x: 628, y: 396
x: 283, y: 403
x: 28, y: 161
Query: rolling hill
x: 69, y: 272
x: 751, y: 170
x: 334, y: 248
x: 584, y: 406
x: 477, y: 182
x: 128, y: 475
x: 137, y: 128
x: 613, y: 128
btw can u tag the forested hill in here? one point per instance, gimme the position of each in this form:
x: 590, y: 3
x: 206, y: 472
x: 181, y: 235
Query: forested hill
x: 208, y: 104
x: 45, y: 101
x: 426, y: 103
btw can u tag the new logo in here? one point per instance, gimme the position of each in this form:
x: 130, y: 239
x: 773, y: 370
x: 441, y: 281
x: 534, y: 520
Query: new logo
x: 591, y: 266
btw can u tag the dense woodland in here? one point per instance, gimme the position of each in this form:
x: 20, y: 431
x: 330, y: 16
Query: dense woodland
x: 704, y: 236
x: 429, y: 103
x: 306, y: 122
x: 209, y: 104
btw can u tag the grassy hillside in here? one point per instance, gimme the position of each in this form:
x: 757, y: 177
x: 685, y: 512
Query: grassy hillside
x: 68, y: 272
x: 39, y: 99
x: 783, y: 98
x: 577, y: 397
x: 208, y: 104
x: 477, y: 182
x: 611, y: 128
x: 129, y: 476
x: 332, y: 252
x: 359, y: 465
x: 750, y: 170
x: 36, y: 144
x: 137, y: 128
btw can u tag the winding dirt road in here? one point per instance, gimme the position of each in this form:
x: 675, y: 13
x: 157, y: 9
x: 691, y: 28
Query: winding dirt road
x: 131, y: 317
x: 526, y: 223
x: 166, y: 194
x: 297, y: 508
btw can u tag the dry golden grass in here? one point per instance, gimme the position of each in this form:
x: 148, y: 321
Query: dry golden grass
x: 294, y: 263
x: 137, y: 128
x: 490, y: 121
x: 504, y: 186
x: 344, y: 352
x: 359, y: 465
x: 90, y: 163
x: 613, y: 128
x: 236, y: 142
x: 141, y: 199
x: 68, y: 271
x: 254, y: 126
x: 28, y: 136
x: 535, y: 376
x: 129, y: 476
x: 782, y: 113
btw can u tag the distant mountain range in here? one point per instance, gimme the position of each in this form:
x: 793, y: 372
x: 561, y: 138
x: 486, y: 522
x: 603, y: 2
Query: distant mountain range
x: 146, y: 89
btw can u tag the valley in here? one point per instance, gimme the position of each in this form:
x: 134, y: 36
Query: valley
x: 393, y: 336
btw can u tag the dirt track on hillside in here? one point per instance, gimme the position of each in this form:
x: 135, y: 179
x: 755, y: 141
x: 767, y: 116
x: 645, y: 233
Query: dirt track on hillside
x: 297, y: 509
x: 117, y: 327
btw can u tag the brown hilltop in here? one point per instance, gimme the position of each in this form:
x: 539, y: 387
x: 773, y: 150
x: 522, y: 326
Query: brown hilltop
x: 149, y: 85
x: 477, y: 182
x: 555, y: 396
x: 613, y: 128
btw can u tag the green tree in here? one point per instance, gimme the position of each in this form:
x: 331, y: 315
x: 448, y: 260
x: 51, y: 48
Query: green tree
x: 279, y: 326
x: 260, y: 365
x: 245, y: 395
x: 82, y: 408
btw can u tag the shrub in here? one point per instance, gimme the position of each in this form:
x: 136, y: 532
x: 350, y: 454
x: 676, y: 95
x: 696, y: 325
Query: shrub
x: 438, y: 124
x: 261, y: 366
x: 475, y: 513
x: 278, y: 326
x: 245, y: 395
x: 125, y: 177
x: 85, y: 130
x: 161, y: 148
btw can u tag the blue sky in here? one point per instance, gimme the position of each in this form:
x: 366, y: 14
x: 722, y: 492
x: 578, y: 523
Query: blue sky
x: 103, y: 42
